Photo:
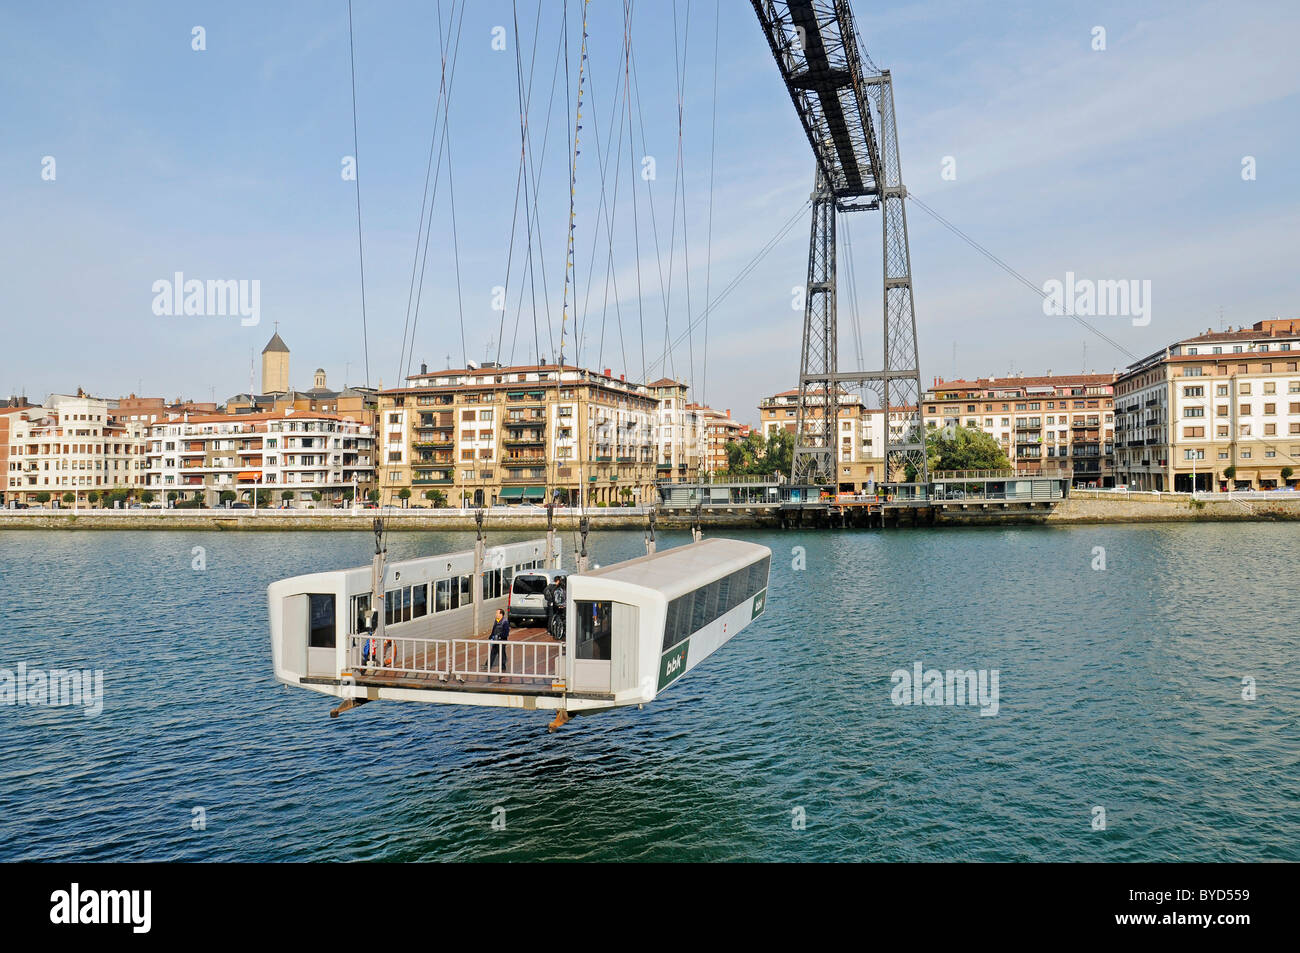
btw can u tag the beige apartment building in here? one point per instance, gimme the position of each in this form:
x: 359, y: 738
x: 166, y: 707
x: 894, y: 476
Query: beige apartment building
x: 489, y: 435
x: 1050, y: 424
x: 719, y: 429
x: 860, y: 436
x: 1219, y: 411
x: 72, y: 446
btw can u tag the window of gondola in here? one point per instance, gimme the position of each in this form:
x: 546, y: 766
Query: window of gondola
x: 444, y: 594
x: 360, y: 612
x: 321, y: 631
x: 419, y: 601
x: 594, y: 634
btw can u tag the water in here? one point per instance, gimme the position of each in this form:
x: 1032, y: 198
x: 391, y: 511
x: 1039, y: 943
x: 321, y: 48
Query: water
x: 1119, y: 689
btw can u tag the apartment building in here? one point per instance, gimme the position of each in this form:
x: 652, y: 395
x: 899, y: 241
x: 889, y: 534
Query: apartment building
x: 860, y: 433
x: 1218, y: 411
x: 719, y: 429
x: 1048, y: 424
x: 488, y: 435
x: 9, y: 408
x: 300, y: 453
x: 72, y: 446
x: 679, y: 432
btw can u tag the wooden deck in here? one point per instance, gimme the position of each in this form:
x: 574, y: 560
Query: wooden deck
x: 413, y: 665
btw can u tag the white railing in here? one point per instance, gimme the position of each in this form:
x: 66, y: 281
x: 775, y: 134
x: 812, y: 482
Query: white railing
x: 456, y: 658
x: 538, y: 660
x: 401, y: 655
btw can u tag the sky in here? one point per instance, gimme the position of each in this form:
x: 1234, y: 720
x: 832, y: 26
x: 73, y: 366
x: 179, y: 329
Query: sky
x: 127, y: 155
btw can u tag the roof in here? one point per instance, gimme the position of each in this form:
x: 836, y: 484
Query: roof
x: 276, y: 344
x: 683, y: 568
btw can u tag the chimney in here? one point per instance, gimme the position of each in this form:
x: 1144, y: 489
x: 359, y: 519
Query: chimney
x: 424, y: 368
x: 728, y: 411
x: 609, y: 372
x: 622, y: 377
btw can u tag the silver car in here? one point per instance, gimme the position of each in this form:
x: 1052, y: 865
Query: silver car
x: 527, y: 595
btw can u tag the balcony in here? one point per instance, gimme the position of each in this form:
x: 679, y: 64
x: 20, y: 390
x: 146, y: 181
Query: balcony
x: 525, y: 440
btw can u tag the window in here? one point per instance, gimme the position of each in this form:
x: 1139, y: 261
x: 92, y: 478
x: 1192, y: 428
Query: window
x: 1270, y: 408
x: 397, y: 606
x: 1193, y: 411
x: 360, y: 612
x: 419, y: 601
x: 1193, y: 372
x: 1193, y: 391
x: 1243, y: 389
x: 321, y: 615
x: 594, y: 630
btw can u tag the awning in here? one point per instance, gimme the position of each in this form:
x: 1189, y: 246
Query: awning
x: 249, y: 475
x: 511, y: 493
x: 535, y: 493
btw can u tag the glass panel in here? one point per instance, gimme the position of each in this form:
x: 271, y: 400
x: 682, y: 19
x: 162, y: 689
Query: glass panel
x: 594, y: 637
x: 444, y: 595
x: 360, y: 610
x: 419, y: 601
x: 466, y: 597
x: 321, y: 632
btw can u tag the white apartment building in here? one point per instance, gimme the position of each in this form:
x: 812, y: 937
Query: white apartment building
x: 71, y: 447
x: 680, y: 432
x: 295, y: 452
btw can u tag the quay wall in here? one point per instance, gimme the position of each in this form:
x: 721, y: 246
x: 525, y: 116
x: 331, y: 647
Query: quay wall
x: 1079, y: 508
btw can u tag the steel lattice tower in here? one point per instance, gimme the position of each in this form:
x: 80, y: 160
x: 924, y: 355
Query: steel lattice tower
x: 841, y: 108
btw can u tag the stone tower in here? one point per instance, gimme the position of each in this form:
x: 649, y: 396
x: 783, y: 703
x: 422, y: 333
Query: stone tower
x: 275, y: 366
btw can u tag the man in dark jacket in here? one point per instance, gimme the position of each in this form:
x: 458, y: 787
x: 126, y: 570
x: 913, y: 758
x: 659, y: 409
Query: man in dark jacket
x: 559, y: 600
x: 500, y: 633
x: 548, y: 598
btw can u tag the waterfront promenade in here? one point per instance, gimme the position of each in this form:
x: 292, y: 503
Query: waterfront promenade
x: 1080, y: 507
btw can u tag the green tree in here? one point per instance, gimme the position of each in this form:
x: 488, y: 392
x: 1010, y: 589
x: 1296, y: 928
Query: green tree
x: 436, y: 497
x: 42, y: 497
x: 92, y: 497
x: 964, y: 448
x: 373, y: 496
x: 1229, y: 472
x: 778, y: 455
x: 1286, y: 473
x: 286, y: 495
x: 263, y: 497
x: 146, y: 496
x: 404, y: 494
x: 69, y: 497
x: 316, y: 496
x: 227, y: 496
x: 348, y: 493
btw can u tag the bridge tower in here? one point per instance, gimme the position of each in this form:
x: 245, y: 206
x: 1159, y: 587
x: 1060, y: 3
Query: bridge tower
x: 848, y: 116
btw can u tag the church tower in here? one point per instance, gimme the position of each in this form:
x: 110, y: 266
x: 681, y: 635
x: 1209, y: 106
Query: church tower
x: 275, y: 366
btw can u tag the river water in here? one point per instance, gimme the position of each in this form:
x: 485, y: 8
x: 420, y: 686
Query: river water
x: 1120, y: 690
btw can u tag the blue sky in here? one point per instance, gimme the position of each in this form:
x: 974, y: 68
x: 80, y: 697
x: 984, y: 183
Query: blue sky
x: 225, y: 164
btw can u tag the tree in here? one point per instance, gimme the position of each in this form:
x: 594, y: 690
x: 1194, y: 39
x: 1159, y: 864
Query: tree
x: 227, y: 496
x: 263, y: 497
x: 42, y: 497
x: 172, y: 495
x: 69, y: 497
x: 146, y: 496
x: 778, y: 456
x: 964, y: 448
x: 286, y: 495
x: 1286, y: 473
x: 316, y: 496
x: 373, y: 496
x: 92, y: 497
x: 1229, y: 472
x: 348, y: 493
x: 404, y: 494
x: 436, y: 497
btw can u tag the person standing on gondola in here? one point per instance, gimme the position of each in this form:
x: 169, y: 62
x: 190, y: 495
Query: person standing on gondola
x: 560, y: 601
x: 500, y: 633
x: 548, y: 598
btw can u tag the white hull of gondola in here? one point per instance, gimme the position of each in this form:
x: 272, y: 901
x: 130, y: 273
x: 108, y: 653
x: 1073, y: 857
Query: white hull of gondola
x: 633, y: 628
